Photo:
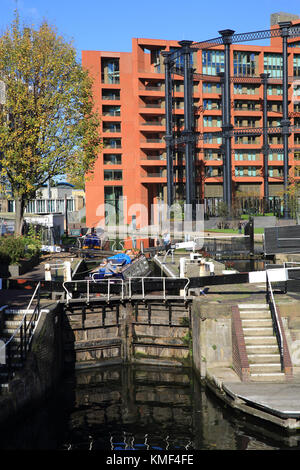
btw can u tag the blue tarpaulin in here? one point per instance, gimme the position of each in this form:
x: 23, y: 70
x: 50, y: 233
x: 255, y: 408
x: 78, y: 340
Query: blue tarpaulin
x: 122, y: 257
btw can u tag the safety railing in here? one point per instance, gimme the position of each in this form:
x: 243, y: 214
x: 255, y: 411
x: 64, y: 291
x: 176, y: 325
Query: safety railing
x: 90, y: 289
x: 275, y: 319
x: 164, y: 281
x: 171, y: 250
x: 87, y: 290
x: 24, y: 332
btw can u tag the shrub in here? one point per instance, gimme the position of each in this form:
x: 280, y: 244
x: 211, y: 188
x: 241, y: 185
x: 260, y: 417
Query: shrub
x: 13, y: 250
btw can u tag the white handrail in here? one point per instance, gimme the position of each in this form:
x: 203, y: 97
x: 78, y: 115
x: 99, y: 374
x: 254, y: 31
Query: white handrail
x: 24, y: 317
x: 94, y: 281
x: 163, y: 279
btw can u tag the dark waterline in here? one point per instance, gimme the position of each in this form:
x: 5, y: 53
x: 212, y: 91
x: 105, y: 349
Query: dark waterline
x: 140, y: 408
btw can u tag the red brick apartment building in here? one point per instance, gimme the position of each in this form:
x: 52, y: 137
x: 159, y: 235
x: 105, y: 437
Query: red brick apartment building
x: 129, y: 94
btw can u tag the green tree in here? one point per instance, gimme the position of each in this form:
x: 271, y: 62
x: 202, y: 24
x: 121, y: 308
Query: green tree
x: 48, y: 122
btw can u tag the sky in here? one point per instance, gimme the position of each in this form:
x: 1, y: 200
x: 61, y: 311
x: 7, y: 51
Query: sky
x: 109, y: 25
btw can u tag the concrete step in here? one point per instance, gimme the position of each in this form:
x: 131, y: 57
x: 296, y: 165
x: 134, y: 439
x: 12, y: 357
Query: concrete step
x: 257, y: 322
x: 260, y: 340
x: 262, y: 349
x: 263, y: 358
x: 253, y: 306
x: 268, y: 377
x: 257, y: 331
x: 245, y: 314
x: 265, y: 368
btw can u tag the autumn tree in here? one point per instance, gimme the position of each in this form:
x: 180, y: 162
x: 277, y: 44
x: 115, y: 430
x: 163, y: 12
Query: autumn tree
x: 48, y: 123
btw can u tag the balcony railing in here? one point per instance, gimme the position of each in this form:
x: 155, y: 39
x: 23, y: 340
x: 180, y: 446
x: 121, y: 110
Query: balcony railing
x: 153, y: 157
x: 158, y: 174
x: 153, y: 141
x: 110, y: 79
x: 152, y: 123
x: 150, y: 105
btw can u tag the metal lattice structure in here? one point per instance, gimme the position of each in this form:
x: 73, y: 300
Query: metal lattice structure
x: 189, y: 137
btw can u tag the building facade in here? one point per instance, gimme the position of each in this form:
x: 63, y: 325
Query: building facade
x: 129, y: 94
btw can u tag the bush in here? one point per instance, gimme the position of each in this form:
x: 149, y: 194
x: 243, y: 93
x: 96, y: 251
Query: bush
x: 13, y: 250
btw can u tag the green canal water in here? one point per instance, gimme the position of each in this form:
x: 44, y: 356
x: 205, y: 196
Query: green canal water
x: 138, y: 408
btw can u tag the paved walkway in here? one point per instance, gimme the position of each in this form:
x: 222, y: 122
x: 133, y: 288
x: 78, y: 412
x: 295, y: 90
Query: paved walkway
x: 276, y: 403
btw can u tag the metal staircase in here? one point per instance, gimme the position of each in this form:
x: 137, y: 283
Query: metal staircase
x: 16, y: 333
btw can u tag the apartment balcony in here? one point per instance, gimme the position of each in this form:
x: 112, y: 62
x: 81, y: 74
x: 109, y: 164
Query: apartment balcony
x: 111, y: 144
x: 152, y: 143
x: 154, y: 176
x: 153, y: 159
x: 153, y: 126
x: 111, y: 113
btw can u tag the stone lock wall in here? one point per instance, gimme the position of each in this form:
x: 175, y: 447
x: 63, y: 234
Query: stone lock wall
x: 211, y: 333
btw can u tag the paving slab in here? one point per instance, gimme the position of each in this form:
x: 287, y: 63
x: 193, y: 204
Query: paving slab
x: 280, y: 399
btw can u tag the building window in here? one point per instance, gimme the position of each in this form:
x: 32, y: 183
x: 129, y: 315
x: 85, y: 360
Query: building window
x: 241, y: 89
x: 251, y: 171
x: 212, y: 62
x: 110, y: 94
x: 296, y: 65
x: 212, y: 121
x: 111, y: 110
x: 239, y: 171
x: 246, y: 156
x: 211, y: 87
x: 245, y: 63
x: 275, y: 157
x: 111, y: 126
x: 113, y: 175
x: 112, y: 159
x: 110, y: 71
x: 113, y: 204
x: 209, y: 138
x: 112, y: 143
x: 273, y: 64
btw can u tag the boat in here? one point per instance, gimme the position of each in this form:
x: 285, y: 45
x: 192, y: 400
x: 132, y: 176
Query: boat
x: 122, y: 266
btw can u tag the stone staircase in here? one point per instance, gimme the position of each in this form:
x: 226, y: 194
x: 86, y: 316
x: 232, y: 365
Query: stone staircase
x: 261, y: 343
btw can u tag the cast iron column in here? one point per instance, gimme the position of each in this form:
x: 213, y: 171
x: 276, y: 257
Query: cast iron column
x: 226, y: 124
x: 225, y: 184
x: 169, y: 127
x: 264, y: 80
x: 285, y: 122
x: 188, y: 129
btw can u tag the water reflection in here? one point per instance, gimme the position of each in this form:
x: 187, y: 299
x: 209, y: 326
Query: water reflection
x: 140, y: 408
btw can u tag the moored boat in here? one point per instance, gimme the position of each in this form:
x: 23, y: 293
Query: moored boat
x: 122, y: 266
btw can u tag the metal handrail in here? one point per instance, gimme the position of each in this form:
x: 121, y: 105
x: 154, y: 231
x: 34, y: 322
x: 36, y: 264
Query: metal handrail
x: 94, y: 281
x: 25, y: 328
x: 275, y: 318
x: 167, y: 253
x: 163, y: 279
